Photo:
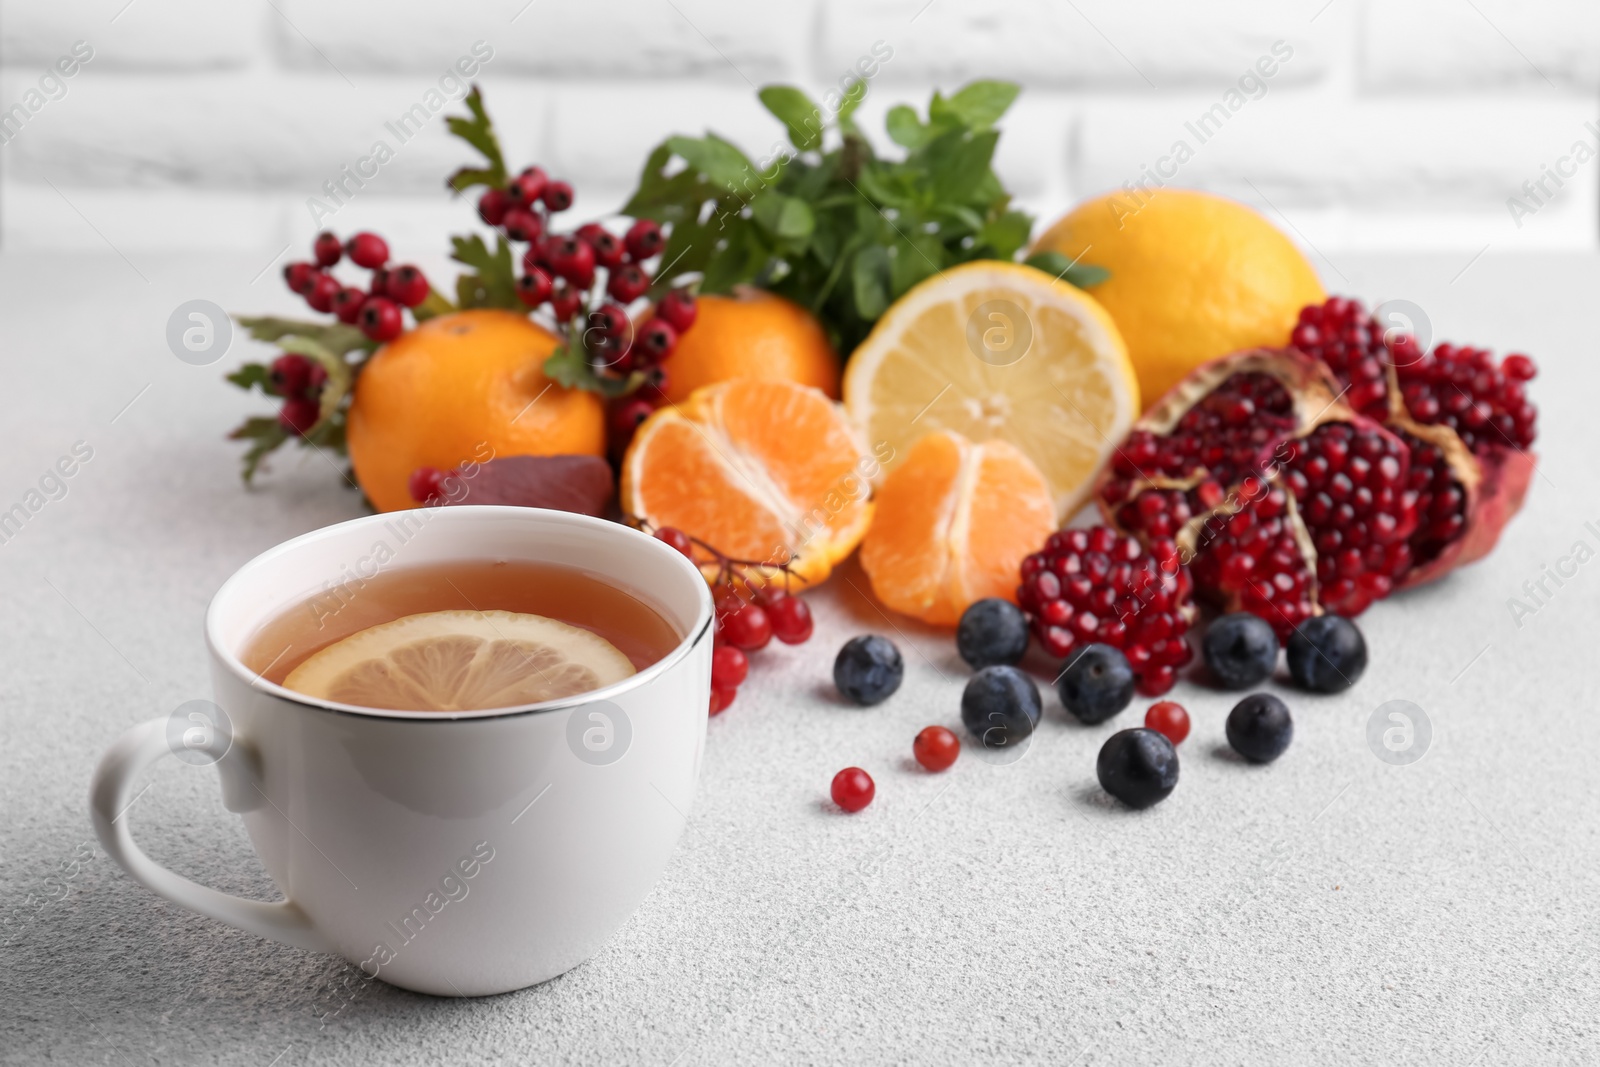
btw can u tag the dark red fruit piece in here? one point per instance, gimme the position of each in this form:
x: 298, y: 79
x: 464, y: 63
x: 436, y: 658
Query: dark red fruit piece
x: 1168, y: 717
x: 677, y: 539
x: 1097, y: 585
x: 729, y: 667
x: 570, y: 258
x: 290, y: 374
x: 791, y: 620
x: 347, y: 304
x: 378, y: 284
x: 936, y: 748
x: 608, y: 249
x: 720, y: 699
x: 426, y: 485
x: 523, y: 225
x: 610, y: 320
x: 557, y: 196
x: 533, y: 288
x: 625, y: 418
x: 628, y: 283
x: 644, y: 240
x: 853, y: 789
x: 381, y: 319
x: 299, y: 275
x: 678, y: 309
x: 327, y: 249
x: 656, y: 340
x: 492, y: 206
x: 367, y: 250
x: 747, y: 626
x: 526, y: 188
x: 564, y: 302
x: 299, y: 414
x: 323, y: 289
x: 408, y: 285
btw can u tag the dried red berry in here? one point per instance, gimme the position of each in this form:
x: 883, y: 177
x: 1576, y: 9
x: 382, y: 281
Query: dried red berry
x: 533, y: 288
x: 299, y: 415
x: 526, y: 188
x: 367, y: 250
x: 327, y: 249
x: 678, y: 309
x: 408, y: 285
x: 323, y: 289
x: 557, y: 196
x: 523, y: 225
x: 644, y: 240
x: 290, y: 374
x: 492, y: 206
x: 381, y: 319
x: 628, y: 283
x: 299, y: 275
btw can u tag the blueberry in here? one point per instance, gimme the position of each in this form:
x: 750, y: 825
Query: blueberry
x: 1240, y: 650
x: 1096, y: 684
x: 1138, y: 767
x: 992, y: 631
x: 1327, y: 654
x: 1259, y: 727
x: 1001, y: 706
x: 868, y: 669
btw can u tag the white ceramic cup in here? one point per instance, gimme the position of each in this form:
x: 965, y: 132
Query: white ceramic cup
x: 462, y: 854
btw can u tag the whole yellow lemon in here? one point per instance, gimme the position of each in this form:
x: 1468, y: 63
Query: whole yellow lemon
x: 1193, y: 277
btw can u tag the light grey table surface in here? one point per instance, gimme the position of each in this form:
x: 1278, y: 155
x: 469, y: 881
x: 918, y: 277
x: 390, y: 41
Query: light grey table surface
x: 1329, y: 908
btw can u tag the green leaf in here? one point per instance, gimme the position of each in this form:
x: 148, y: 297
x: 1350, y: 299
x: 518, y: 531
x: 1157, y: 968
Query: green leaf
x: 334, y: 336
x: 569, y: 366
x: 721, y: 163
x: 740, y: 260
x: 434, y: 306
x: 795, y: 110
x: 905, y: 129
x: 962, y: 162
x: 1058, y: 265
x: 265, y: 434
x: 852, y: 100
x: 980, y: 104
x: 478, y: 132
x: 783, y: 216
x: 1006, y: 234
x: 253, y: 376
x: 869, y: 280
x: 494, y: 281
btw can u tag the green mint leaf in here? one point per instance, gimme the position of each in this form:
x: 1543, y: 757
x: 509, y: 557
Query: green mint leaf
x: 1006, y: 233
x: 722, y: 164
x: 962, y: 161
x: 478, y: 132
x: 980, y: 104
x: 795, y: 110
x: 1058, y: 265
x: 853, y: 96
x: 869, y: 281
x: 782, y: 216
x: 905, y: 129
x: 740, y: 259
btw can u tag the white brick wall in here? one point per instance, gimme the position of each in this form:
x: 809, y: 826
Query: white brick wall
x: 1395, y: 123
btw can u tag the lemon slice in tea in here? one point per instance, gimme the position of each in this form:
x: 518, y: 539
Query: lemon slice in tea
x: 460, y: 661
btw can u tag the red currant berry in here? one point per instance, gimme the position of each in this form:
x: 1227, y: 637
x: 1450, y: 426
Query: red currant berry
x: 626, y: 417
x: 523, y: 225
x: 426, y: 485
x: 571, y: 259
x: 492, y: 206
x: 853, y: 789
x: 1168, y: 717
x: 610, y: 320
x: 526, y: 188
x: 367, y: 250
x: 729, y: 667
x: 720, y: 699
x: 327, y: 249
x: 678, y: 309
x: 298, y: 276
x: 557, y: 196
x: 628, y: 283
x: 533, y: 288
x: 644, y: 240
x: 324, y: 287
x: 791, y: 620
x: 380, y: 319
x: 408, y: 285
x: 657, y: 339
x: 347, y: 304
x: 564, y: 302
x: 749, y: 628
x: 936, y: 748
x: 290, y: 374
x: 677, y: 539
x: 299, y: 415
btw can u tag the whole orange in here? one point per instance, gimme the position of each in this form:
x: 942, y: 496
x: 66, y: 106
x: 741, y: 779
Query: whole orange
x: 464, y: 386
x: 751, y: 334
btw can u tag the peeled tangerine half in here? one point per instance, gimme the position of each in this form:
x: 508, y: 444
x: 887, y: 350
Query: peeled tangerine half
x: 460, y: 661
x: 953, y: 523
x: 762, y: 470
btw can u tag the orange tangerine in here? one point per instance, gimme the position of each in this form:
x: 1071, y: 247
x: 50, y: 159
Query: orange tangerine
x: 760, y: 469
x: 751, y: 334
x: 952, y: 524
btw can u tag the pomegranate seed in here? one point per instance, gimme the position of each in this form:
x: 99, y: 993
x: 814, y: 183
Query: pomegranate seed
x: 936, y: 748
x: 853, y: 789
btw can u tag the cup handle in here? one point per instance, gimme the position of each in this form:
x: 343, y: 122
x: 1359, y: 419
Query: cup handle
x: 109, y: 796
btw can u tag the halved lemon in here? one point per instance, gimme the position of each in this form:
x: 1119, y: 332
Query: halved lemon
x: 998, y: 350
x: 460, y: 661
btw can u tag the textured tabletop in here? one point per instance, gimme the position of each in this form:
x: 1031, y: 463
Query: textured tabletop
x: 1329, y: 908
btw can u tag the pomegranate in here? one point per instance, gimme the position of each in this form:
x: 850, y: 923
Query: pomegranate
x: 1284, y: 500
x: 1467, y: 421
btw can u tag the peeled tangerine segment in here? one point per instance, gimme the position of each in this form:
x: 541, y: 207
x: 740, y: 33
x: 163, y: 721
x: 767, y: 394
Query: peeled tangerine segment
x: 953, y: 523
x: 461, y: 661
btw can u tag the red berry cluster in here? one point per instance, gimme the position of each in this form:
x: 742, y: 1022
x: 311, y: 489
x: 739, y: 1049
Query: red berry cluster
x: 377, y: 309
x: 751, y: 607
x: 590, y: 272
